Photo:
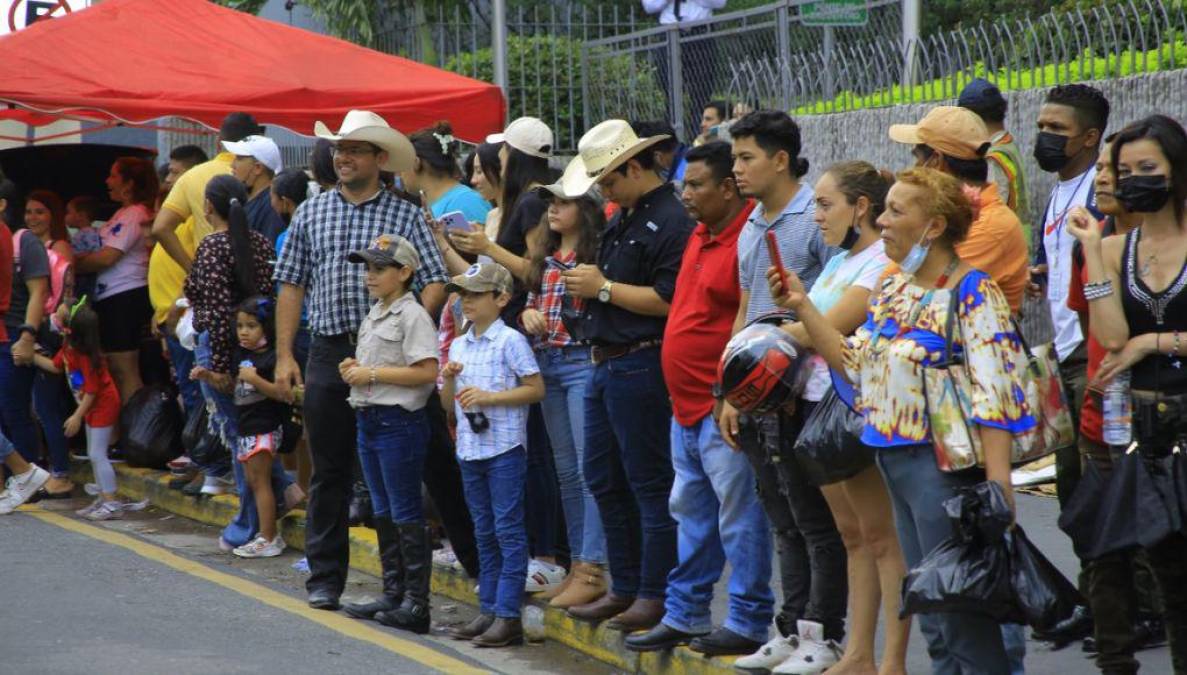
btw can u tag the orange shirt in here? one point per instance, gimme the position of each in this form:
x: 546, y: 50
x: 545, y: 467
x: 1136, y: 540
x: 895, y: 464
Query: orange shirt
x: 996, y: 245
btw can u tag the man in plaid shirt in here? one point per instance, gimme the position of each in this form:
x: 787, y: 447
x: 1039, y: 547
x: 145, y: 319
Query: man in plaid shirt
x: 313, y: 266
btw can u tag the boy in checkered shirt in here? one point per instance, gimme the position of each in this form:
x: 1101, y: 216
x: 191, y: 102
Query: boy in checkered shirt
x: 496, y: 377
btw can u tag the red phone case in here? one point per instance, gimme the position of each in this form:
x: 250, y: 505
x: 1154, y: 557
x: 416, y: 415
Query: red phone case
x: 776, y: 258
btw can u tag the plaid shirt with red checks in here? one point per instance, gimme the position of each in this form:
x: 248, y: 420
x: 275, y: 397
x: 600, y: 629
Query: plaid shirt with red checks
x: 549, y: 299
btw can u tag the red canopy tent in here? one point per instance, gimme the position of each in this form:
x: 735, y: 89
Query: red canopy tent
x: 135, y: 61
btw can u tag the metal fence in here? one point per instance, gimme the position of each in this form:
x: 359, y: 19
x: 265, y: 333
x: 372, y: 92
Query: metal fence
x: 773, y: 57
x: 543, y: 50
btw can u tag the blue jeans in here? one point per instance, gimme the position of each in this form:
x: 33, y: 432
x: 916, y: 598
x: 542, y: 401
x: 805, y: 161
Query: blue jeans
x: 53, y: 407
x: 566, y: 374
x: 6, y: 449
x: 392, y: 445
x: 183, y: 363
x: 628, y: 467
x: 223, y: 421
x: 957, y: 643
x: 718, y: 518
x: 16, y: 394
x: 495, y: 494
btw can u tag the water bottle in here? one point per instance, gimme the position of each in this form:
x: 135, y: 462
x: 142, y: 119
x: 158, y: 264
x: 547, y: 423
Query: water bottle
x: 1118, y: 411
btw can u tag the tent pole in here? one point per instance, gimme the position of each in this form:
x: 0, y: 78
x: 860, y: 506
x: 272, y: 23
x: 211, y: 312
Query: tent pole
x: 498, y: 37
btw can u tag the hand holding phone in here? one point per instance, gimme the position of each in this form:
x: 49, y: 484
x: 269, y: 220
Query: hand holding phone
x: 777, y: 259
x: 455, y: 220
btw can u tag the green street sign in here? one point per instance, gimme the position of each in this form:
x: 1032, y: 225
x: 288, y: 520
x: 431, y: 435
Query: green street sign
x: 835, y: 13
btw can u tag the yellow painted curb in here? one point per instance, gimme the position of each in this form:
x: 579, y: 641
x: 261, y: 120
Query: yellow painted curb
x: 594, y: 641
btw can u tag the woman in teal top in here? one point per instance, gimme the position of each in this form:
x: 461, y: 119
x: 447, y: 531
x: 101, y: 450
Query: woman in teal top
x: 437, y: 174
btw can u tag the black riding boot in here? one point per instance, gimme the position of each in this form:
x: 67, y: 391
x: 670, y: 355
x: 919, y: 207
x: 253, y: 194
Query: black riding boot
x: 413, y: 612
x: 392, y: 561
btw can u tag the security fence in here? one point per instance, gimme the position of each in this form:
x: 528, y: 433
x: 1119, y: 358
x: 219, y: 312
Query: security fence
x: 779, y: 56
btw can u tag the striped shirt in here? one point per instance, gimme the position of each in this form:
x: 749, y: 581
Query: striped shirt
x: 800, y: 244
x: 325, y: 230
x: 494, y: 361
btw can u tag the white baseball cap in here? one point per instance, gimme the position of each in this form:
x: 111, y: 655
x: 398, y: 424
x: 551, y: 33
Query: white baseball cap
x: 527, y: 135
x: 260, y: 148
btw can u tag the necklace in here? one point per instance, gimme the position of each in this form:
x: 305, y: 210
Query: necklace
x: 1146, y: 269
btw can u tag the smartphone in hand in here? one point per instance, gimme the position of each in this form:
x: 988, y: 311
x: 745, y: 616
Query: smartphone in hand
x: 455, y: 220
x: 777, y: 259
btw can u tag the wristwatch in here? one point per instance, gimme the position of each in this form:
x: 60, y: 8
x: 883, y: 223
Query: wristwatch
x: 28, y: 328
x: 604, y: 291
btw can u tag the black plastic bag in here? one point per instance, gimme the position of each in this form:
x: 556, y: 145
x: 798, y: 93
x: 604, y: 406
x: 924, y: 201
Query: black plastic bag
x: 209, y: 450
x: 1135, y: 505
x: 829, y: 447
x: 969, y: 571
x: 195, y: 427
x: 1044, y: 595
x: 290, y: 434
x: 150, y: 427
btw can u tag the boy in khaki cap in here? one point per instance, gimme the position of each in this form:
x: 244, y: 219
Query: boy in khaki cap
x: 496, y: 377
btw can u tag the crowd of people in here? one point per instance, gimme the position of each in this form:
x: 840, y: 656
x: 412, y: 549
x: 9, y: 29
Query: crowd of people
x: 538, y: 351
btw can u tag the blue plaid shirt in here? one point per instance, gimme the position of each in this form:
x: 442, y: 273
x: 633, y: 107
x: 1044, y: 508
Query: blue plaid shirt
x: 494, y: 361
x: 328, y: 228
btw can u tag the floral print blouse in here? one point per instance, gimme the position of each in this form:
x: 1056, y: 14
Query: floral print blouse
x: 210, y: 288
x: 888, y: 371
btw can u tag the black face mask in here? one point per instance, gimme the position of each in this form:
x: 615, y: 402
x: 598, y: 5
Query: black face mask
x: 852, y: 234
x: 1143, y: 194
x: 1051, y: 151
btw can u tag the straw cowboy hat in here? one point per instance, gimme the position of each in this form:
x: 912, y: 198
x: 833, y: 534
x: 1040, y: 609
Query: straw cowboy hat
x: 364, y: 125
x: 601, y: 150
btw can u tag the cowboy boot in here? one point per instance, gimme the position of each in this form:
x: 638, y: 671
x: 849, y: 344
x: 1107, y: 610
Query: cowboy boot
x: 588, y: 584
x: 392, y: 562
x: 413, y: 612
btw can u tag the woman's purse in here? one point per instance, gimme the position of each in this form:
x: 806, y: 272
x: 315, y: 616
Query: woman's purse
x: 947, y: 388
x: 829, y: 448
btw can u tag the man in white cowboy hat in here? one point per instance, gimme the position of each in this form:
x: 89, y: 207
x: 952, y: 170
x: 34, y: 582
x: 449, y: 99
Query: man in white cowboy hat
x: 628, y: 463
x: 314, y: 269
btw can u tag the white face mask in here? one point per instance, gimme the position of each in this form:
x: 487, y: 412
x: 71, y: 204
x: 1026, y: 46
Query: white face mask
x: 916, y: 255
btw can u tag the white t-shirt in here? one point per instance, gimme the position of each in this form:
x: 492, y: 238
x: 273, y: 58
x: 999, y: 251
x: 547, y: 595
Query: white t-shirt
x: 1057, y: 244
x: 840, y: 273
x: 125, y: 232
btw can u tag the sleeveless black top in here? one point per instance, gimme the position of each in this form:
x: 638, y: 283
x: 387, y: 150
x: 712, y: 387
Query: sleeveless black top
x: 1150, y: 312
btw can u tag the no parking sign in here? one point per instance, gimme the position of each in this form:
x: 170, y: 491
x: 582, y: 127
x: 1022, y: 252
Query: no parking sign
x: 18, y: 14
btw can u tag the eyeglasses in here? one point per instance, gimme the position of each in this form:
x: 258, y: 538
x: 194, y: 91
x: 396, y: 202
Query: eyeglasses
x: 353, y: 150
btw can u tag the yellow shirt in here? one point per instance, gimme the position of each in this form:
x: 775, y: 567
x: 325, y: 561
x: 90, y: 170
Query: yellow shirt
x: 166, y: 278
x: 188, y: 196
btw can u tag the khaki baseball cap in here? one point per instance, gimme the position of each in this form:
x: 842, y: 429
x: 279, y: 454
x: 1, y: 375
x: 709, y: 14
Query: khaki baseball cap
x: 955, y: 132
x: 387, y: 250
x: 481, y: 278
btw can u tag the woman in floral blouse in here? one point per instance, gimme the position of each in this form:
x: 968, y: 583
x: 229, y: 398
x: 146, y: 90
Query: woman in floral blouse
x: 927, y: 214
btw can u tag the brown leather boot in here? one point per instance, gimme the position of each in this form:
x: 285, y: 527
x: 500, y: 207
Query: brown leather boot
x: 502, y: 633
x: 559, y: 588
x: 476, y: 627
x: 588, y: 584
x: 603, y: 608
x: 644, y: 614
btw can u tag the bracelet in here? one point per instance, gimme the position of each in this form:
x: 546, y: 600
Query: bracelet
x: 1098, y: 290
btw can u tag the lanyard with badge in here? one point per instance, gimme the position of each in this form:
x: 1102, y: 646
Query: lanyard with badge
x: 1057, y: 271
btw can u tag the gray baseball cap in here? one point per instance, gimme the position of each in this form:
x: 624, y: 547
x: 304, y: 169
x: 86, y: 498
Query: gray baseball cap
x: 482, y: 278
x: 388, y: 250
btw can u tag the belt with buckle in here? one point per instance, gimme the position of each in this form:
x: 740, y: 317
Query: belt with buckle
x: 350, y: 338
x: 603, y: 353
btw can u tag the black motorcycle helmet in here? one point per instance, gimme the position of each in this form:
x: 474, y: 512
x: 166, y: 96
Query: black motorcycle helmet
x: 760, y: 369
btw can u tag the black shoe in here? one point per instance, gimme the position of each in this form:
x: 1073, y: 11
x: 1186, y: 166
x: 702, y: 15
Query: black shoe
x: 724, y: 642
x: 1076, y: 627
x: 658, y: 638
x: 1148, y: 634
x: 324, y: 599
x: 368, y: 610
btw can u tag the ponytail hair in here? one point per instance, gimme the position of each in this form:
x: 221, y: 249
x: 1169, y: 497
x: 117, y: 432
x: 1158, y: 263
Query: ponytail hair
x: 437, y: 149
x: 861, y: 179
x: 229, y: 199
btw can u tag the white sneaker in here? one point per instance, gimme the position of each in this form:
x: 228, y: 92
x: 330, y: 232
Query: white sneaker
x: 774, y: 652
x: 216, y: 486
x: 18, y: 489
x: 445, y: 557
x: 814, y: 655
x: 543, y: 576
x: 86, y: 511
x: 107, y: 511
x: 92, y: 489
x: 261, y: 548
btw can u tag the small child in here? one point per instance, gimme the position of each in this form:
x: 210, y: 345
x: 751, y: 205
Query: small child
x: 261, y: 412
x: 392, y: 377
x: 84, y: 238
x: 496, y: 377
x: 98, y: 402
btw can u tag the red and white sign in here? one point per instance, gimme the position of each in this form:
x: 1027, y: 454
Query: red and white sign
x: 18, y: 14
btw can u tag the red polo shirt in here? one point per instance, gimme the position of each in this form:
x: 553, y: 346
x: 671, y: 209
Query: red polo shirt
x: 701, y: 318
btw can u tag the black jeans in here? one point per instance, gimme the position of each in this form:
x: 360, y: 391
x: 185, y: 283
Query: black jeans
x: 330, y: 426
x: 822, y: 583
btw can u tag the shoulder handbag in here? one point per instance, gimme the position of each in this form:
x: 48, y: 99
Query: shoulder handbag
x: 947, y: 389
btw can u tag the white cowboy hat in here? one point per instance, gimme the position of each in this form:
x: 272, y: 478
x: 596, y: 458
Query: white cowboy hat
x: 601, y: 150
x: 572, y: 184
x: 364, y: 125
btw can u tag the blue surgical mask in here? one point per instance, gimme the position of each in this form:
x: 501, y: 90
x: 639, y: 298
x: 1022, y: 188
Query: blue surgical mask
x: 916, y: 255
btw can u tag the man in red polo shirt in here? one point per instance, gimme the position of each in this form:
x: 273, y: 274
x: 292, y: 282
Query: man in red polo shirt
x: 713, y: 500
